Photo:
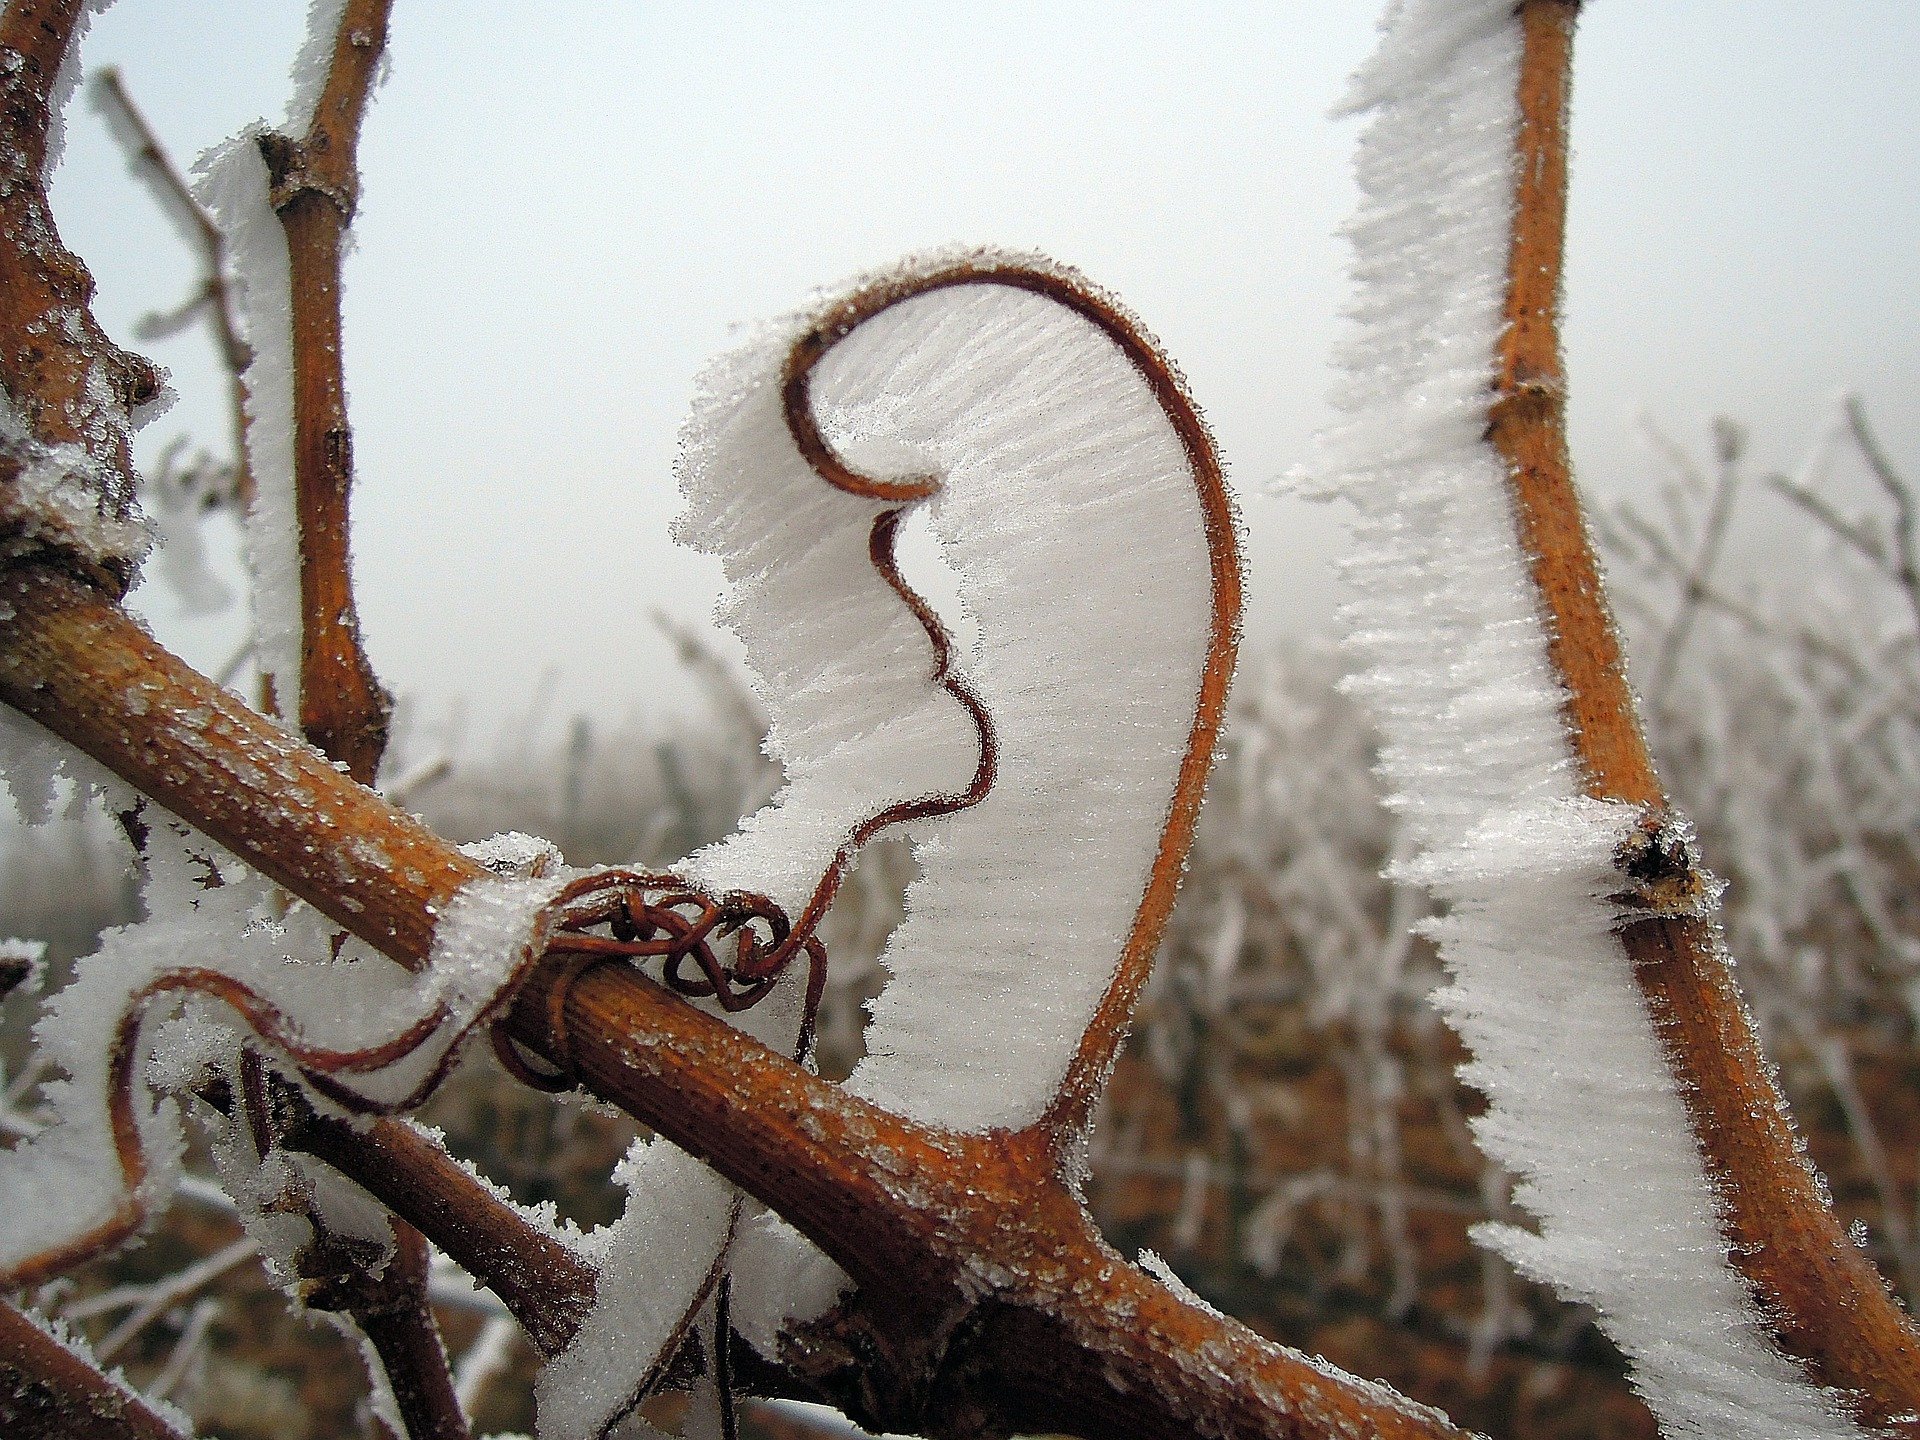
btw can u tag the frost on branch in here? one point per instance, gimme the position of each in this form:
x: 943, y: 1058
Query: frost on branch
x: 1047, y: 778
x: 1067, y: 505
x: 237, y: 188
x: 234, y: 186
x: 1454, y: 662
x: 162, y: 1009
x: 59, y: 497
x: 73, y: 398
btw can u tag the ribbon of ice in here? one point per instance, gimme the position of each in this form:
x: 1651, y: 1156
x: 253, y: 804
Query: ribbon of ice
x: 1048, y: 779
x: 1453, y: 658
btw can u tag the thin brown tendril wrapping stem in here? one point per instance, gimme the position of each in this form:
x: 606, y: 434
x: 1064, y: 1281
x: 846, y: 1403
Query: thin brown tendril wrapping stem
x: 643, y: 914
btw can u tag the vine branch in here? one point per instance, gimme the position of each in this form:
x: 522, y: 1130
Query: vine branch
x: 315, y: 185
x: 543, y: 1284
x: 68, y: 384
x: 899, y: 1205
x: 1828, y: 1305
x: 47, y: 1392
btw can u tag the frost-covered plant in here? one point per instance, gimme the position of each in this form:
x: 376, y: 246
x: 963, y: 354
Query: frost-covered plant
x: 912, y: 1244
x: 1791, y: 715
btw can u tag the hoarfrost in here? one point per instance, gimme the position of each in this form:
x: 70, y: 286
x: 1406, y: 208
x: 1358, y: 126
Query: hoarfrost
x: 124, y: 1026
x: 382, y: 1404
x: 35, y: 764
x: 515, y: 854
x: 232, y: 183
x: 658, y: 1262
x: 1052, y: 456
x: 1151, y: 1262
x: 1452, y: 658
x: 311, y: 64
x: 777, y: 1275
x: 68, y: 80
x: 62, y: 495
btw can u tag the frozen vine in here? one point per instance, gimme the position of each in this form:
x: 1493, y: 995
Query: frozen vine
x: 1453, y: 658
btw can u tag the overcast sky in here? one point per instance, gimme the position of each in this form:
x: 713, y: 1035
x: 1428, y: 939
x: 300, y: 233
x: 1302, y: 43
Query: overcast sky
x: 563, y: 218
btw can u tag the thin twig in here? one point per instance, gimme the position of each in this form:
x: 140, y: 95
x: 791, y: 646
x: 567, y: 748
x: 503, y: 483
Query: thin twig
x: 1906, y: 567
x: 1698, y: 576
x: 315, y: 183
x: 1827, y: 1304
x: 150, y: 161
x: 187, y: 1350
x: 163, y: 1295
x: 1854, y: 535
x: 341, y: 706
x: 545, y: 1286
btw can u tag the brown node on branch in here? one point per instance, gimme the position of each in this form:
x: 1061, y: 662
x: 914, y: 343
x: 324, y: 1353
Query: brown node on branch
x: 1661, y: 861
x: 14, y: 972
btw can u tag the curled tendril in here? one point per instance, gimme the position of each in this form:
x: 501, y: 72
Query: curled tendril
x: 738, y: 945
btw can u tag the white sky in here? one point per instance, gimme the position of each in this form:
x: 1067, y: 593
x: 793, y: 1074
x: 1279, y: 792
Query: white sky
x: 562, y: 219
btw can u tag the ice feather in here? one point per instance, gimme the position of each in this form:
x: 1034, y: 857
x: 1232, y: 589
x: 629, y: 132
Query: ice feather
x: 1451, y: 650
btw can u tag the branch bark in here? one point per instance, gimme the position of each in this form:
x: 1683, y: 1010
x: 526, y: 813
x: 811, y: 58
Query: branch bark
x: 76, y: 662
x: 1829, y: 1306
x: 391, y: 1310
x: 66, y: 381
x: 986, y: 1295
x: 47, y: 1392
x: 544, y: 1285
x: 315, y: 186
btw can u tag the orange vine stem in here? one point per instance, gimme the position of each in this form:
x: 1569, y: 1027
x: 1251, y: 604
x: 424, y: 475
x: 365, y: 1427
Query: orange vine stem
x: 315, y: 185
x: 1827, y: 1304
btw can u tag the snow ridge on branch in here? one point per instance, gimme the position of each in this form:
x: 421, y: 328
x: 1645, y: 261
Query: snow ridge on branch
x: 1452, y: 653
x: 1047, y: 775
